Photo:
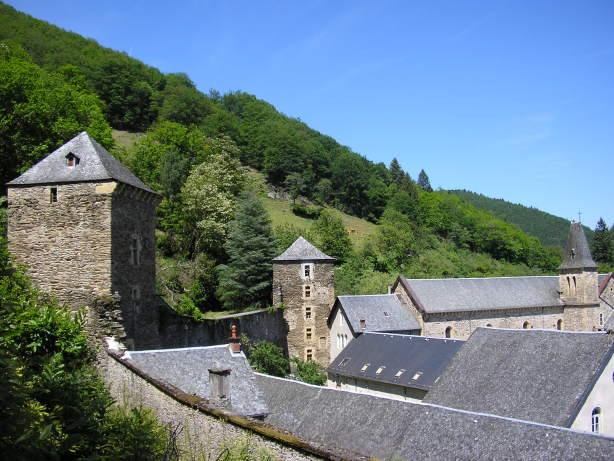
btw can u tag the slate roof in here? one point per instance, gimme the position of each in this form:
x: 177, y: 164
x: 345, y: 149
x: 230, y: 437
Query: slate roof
x: 577, y: 251
x: 391, y: 429
x: 475, y: 294
x: 535, y: 375
x: 602, y: 281
x: 380, y: 313
x: 95, y: 164
x: 406, y: 353
x: 188, y: 369
x: 302, y: 250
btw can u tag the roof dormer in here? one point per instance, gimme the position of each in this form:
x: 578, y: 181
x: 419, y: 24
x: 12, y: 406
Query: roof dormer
x: 72, y: 160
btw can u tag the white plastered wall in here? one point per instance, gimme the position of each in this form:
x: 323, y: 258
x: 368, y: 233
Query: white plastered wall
x: 338, y: 327
x: 601, y: 396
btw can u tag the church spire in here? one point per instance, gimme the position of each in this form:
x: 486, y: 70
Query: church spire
x: 577, y: 252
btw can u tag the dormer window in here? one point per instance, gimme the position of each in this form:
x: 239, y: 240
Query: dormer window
x: 72, y: 160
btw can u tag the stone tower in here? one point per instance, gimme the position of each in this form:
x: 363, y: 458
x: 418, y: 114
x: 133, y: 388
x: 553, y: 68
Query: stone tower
x: 578, y: 282
x: 83, y: 224
x: 303, y: 285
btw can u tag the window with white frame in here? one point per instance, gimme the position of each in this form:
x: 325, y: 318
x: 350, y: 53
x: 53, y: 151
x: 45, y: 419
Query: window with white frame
x: 308, y: 312
x: 307, y: 271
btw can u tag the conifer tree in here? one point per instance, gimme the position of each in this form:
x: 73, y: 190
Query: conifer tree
x: 603, y: 247
x: 246, y: 279
x: 423, y: 181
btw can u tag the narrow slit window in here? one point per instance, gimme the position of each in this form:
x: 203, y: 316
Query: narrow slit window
x: 307, y: 291
x: 307, y: 271
x: 135, y: 251
x: 53, y: 195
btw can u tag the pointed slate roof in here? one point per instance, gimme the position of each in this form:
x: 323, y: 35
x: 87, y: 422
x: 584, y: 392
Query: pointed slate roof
x: 302, y: 250
x: 95, y: 164
x: 577, y: 251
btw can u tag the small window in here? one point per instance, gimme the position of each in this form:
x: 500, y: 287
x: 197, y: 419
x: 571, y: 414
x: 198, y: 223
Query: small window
x: 526, y: 325
x: 489, y: 325
x: 399, y: 373
x: 135, y: 251
x: 364, y: 367
x: 386, y: 314
x: 308, y: 333
x: 559, y: 324
x: 307, y: 271
x: 309, y: 355
x: 363, y: 323
x: 53, y: 195
x: 72, y: 160
x: 308, y: 312
x: 322, y: 341
x: 595, y: 420
x: 417, y: 376
x: 601, y: 319
x: 449, y: 332
x: 341, y: 321
x: 344, y: 362
x: 379, y: 370
x: 307, y: 291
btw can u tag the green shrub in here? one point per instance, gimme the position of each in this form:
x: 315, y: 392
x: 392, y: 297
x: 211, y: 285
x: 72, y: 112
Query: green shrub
x: 309, y: 372
x: 306, y: 211
x: 268, y: 358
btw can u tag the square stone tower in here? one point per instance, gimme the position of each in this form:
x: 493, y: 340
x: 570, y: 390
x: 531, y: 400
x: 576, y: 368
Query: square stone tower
x: 83, y: 225
x: 303, y: 285
x: 578, y: 282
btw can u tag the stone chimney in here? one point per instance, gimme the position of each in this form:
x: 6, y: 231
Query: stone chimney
x: 234, y: 341
x: 219, y: 387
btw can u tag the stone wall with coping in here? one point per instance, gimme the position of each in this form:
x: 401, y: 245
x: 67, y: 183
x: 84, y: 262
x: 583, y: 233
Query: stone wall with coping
x: 289, y: 290
x: 177, y: 330
x: 205, y: 428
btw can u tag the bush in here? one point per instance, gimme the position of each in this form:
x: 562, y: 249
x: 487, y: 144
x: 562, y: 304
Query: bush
x: 306, y: 211
x: 309, y: 372
x: 268, y: 358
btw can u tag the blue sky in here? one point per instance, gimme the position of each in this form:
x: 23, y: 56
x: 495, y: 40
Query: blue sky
x: 512, y: 99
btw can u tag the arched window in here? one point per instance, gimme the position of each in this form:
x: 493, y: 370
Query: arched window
x: 449, y: 332
x: 568, y: 285
x: 526, y: 325
x: 488, y: 325
x: 575, y: 288
x: 595, y: 420
x: 559, y: 324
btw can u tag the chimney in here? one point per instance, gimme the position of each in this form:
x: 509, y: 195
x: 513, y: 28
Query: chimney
x: 219, y: 387
x: 234, y: 341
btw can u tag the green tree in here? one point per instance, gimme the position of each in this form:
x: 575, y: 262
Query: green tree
x: 268, y: 358
x: 209, y: 196
x: 39, y: 112
x: 296, y: 185
x: 603, y: 247
x: 332, y: 237
x: 246, y: 279
x: 423, y: 181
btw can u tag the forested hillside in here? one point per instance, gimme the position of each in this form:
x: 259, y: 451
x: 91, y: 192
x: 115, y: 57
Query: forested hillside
x: 196, y: 150
x: 549, y: 229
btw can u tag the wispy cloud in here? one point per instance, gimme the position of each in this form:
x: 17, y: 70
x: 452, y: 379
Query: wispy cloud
x: 531, y: 129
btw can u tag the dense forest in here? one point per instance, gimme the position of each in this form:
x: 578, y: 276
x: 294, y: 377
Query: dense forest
x: 198, y: 150
x: 549, y: 229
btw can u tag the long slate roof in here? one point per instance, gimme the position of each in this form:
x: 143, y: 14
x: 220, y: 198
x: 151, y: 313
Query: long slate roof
x: 535, y: 375
x: 420, y: 360
x: 302, y: 250
x: 391, y: 429
x: 577, y: 251
x: 380, y: 313
x: 188, y: 370
x: 95, y: 164
x: 475, y: 294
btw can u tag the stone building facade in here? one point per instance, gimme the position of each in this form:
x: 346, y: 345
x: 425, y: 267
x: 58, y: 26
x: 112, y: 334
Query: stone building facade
x: 303, y: 285
x: 454, y: 308
x: 83, y: 225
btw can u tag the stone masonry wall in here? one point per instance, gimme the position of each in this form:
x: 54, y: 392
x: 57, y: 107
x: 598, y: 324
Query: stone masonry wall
x: 289, y: 290
x: 181, y: 331
x: 133, y: 221
x: 205, y: 430
x: 67, y: 244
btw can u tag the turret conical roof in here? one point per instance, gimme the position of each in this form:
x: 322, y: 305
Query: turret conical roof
x: 94, y: 164
x: 302, y: 250
x: 577, y: 252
